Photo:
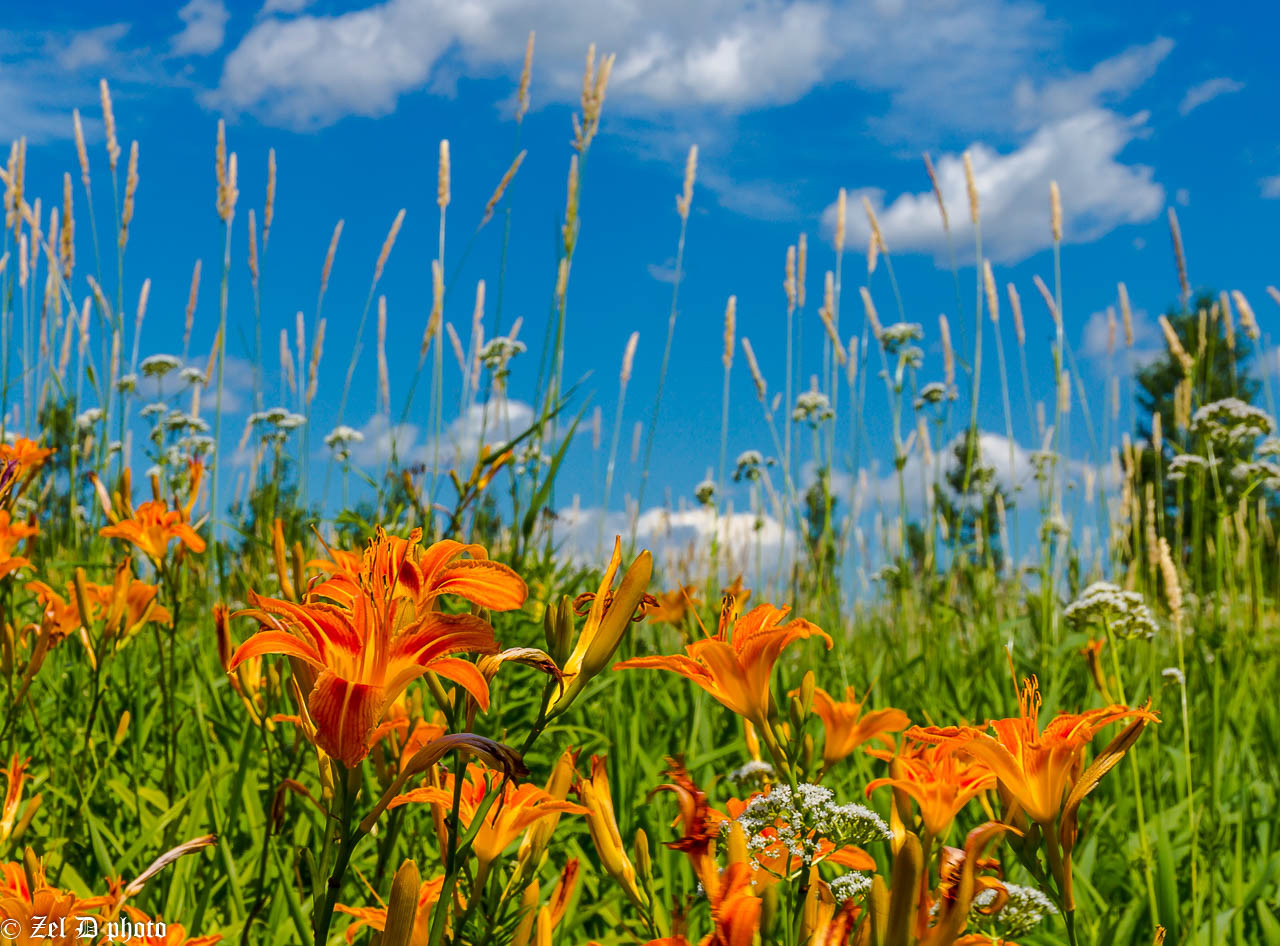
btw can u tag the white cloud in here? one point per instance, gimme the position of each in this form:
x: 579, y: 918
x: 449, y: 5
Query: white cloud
x: 1207, y: 91
x: 1270, y: 187
x: 314, y: 69
x: 1095, y: 339
x: 680, y: 540
x: 285, y: 6
x: 92, y: 47
x: 1110, y: 80
x: 1080, y: 152
x: 492, y: 424
x: 205, y: 29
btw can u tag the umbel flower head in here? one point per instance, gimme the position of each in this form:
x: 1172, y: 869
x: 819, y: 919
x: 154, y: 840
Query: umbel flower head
x: 373, y: 627
x: 1124, y: 612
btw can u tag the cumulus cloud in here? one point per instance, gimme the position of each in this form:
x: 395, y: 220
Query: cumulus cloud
x: 1108, y: 81
x: 1207, y: 91
x: 459, y: 443
x: 205, y: 28
x: 680, y: 539
x: 92, y: 47
x: 314, y: 69
x: 1099, y: 193
x: 1096, y: 339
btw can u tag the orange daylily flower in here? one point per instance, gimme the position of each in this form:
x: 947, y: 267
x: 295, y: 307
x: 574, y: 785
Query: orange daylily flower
x: 376, y: 917
x: 18, y: 461
x: 736, y: 668
x: 144, y: 929
x: 24, y: 901
x: 14, y: 817
x: 846, y: 728
x: 940, y: 779
x: 11, y: 533
x: 595, y: 795
x: 1035, y: 767
x: 439, y: 570
x: 672, y: 606
x: 124, y: 606
x: 369, y: 642
x: 507, y: 818
x: 609, y: 615
x: 152, y: 527
x: 739, y: 592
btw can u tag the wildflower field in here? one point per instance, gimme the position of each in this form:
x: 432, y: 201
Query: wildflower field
x: 421, y: 715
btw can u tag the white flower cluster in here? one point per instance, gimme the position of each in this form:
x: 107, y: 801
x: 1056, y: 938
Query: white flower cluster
x: 935, y: 392
x: 1174, y: 675
x: 1263, y: 472
x: 181, y: 420
x: 912, y: 356
x: 705, y: 492
x: 1125, y: 612
x: 1044, y: 461
x: 342, y: 436
x: 88, y: 418
x: 1182, y: 465
x: 1025, y: 909
x: 157, y: 366
x: 1269, y: 447
x: 894, y: 336
x: 280, y: 417
x: 806, y: 817
x: 852, y: 886
x: 748, y: 465
x: 497, y: 352
x: 754, y: 774
x: 530, y: 457
x: 1231, y: 422
x: 812, y: 408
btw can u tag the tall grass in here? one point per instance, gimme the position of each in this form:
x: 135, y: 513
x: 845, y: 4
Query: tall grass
x: 1185, y: 840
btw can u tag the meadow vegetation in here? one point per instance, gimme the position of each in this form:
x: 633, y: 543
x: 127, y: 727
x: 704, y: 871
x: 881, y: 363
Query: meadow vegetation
x: 413, y: 717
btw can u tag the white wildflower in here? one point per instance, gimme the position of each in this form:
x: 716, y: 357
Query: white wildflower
x: 812, y: 408
x: 157, y: 366
x: 1124, y: 612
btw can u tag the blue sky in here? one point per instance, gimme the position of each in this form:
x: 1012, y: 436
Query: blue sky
x: 1132, y: 110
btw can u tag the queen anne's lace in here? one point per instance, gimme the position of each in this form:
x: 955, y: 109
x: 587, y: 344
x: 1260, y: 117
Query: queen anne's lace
x: 1124, y: 612
x: 807, y: 820
x: 1025, y: 909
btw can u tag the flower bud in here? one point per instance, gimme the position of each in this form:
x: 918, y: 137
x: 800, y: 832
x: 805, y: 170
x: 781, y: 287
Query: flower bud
x: 402, y: 907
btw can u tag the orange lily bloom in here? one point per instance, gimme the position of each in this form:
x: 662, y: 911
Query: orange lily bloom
x: 673, y: 605
x: 846, y: 728
x: 507, y: 818
x: 739, y: 592
x: 11, y: 533
x: 609, y: 616
x: 368, y: 643
x: 1036, y: 768
x: 124, y: 605
x: 23, y: 902
x: 12, y: 827
x: 376, y: 917
x: 145, y: 929
x: 18, y: 460
x: 595, y: 795
x: 938, y: 778
x: 736, y: 668
x: 152, y: 527
x: 440, y: 569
